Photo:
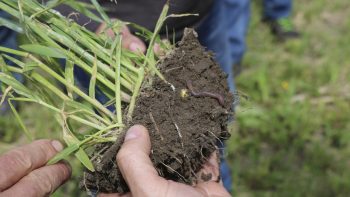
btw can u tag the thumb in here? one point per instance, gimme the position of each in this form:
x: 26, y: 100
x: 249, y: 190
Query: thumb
x: 137, y: 139
x: 134, y: 162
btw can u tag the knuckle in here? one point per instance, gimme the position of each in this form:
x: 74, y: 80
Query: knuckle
x: 64, y: 171
x: 40, y: 184
x: 124, y: 156
x: 10, y: 163
x: 17, y: 159
x: 32, y: 191
x: 44, y: 149
x: 45, y: 145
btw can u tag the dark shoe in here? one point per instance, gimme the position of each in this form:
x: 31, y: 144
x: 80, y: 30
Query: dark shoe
x: 283, y: 29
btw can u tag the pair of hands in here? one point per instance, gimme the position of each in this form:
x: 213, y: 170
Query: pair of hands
x: 23, y: 171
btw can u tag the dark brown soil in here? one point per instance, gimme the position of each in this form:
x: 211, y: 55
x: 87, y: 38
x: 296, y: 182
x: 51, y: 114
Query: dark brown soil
x: 184, y: 128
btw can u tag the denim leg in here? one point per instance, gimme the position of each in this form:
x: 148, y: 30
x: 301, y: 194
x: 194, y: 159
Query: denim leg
x: 237, y: 19
x: 224, y: 32
x: 213, y: 34
x: 225, y: 170
x: 275, y: 9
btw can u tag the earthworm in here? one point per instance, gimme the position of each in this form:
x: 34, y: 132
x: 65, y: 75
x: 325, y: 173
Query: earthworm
x: 218, y: 97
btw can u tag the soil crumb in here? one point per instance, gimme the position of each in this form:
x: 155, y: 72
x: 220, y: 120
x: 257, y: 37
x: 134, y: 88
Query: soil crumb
x: 186, y: 120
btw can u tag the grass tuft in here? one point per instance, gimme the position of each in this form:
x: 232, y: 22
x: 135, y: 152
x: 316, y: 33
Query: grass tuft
x: 117, y: 72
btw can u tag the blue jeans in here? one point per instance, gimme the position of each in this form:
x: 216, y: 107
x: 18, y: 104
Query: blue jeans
x: 224, y: 32
x: 275, y: 9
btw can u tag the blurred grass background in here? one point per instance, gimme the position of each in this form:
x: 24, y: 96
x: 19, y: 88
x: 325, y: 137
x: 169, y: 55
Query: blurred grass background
x: 292, y: 134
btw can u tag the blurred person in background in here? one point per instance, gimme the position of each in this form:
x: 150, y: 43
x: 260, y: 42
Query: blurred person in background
x: 236, y: 15
x: 224, y: 32
x: 277, y: 13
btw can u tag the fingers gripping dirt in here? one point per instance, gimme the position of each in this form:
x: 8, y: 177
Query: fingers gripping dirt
x: 183, y: 131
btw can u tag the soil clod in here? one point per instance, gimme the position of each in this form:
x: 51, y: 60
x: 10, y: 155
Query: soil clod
x: 184, y: 131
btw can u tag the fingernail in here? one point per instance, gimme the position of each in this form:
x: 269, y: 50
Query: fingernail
x: 134, y: 46
x: 132, y: 133
x: 57, y: 145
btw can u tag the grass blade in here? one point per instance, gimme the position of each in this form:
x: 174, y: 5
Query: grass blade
x: 138, y: 85
x: 50, y: 5
x: 4, y: 95
x: 19, y: 119
x: 84, y: 159
x: 64, y: 154
x: 69, y: 74
x: 43, y: 50
x: 13, y: 51
x: 3, y: 65
x: 29, y: 66
x: 92, y: 85
x: 51, y: 72
x: 101, y: 12
x: 118, y: 102
x: 83, y: 9
x: 49, y: 86
x: 17, y: 86
x: 71, y: 140
x: 11, y: 25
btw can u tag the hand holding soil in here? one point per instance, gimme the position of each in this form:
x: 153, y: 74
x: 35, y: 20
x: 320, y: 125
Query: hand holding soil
x: 146, y: 89
x: 184, y: 128
x: 23, y: 171
x: 142, y: 178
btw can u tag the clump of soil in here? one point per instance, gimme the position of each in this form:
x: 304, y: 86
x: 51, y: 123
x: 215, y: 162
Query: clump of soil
x: 185, y: 123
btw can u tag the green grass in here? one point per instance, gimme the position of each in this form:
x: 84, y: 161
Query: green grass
x: 291, y: 137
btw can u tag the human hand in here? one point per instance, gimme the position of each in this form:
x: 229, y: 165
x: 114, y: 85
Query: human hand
x: 129, y: 41
x: 143, y: 180
x: 23, y: 171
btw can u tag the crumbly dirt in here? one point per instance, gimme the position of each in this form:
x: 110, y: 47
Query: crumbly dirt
x: 185, y: 125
